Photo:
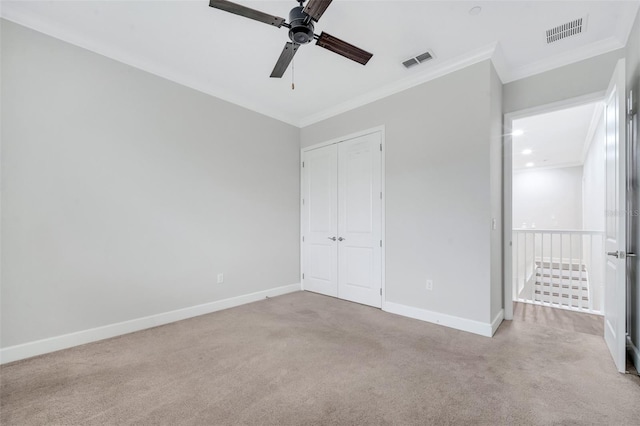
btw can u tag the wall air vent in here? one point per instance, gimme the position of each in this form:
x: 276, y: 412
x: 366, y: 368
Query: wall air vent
x: 570, y: 29
x: 418, y: 59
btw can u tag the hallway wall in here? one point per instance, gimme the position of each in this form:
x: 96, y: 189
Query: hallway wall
x: 550, y: 198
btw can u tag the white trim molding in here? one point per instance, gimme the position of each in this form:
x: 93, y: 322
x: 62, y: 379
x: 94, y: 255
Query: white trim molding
x: 463, y: 324
x: 354, y: 135
x: 507, y: 181
x: 52, y: 344
x: 497, y: 321
x: 565, y: 58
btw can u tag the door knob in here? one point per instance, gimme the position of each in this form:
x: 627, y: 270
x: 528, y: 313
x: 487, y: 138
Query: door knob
x: 332, y: 238
x: 620, y: 254
x: 341, y: 239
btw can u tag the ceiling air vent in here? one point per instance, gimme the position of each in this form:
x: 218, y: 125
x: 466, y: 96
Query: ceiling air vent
x: 570, y: 29
x: 418, y: 59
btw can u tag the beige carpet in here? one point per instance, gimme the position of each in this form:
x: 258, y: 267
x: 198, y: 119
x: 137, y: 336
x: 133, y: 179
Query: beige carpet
x: 559, y: 318
x: 309, y: 359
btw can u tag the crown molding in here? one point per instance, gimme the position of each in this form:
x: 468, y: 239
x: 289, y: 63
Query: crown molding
x: 500, y: 63
x: 493, y: 52
x: 575, y: 55
x: 435, y: 71
x: 56, y: 31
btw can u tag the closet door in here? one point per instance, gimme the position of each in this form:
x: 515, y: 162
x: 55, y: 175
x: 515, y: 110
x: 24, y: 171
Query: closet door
x: 360, y: 220
x: 319, y: 220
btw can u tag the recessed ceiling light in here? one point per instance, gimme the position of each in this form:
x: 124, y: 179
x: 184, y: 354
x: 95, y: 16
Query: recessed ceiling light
x: 517, y: 132
x: 529, y: 164
x: 475, y: 11
x: 526, y: 151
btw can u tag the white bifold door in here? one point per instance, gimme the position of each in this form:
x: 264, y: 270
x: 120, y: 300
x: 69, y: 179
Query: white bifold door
x: 342, y: 220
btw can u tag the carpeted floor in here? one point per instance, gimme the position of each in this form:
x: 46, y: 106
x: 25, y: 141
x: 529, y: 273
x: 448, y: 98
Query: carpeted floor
x: 308, y: 359
x: 559, y: 318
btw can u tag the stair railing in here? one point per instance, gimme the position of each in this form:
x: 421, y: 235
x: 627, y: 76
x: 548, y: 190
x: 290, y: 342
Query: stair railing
x: 559, y: 268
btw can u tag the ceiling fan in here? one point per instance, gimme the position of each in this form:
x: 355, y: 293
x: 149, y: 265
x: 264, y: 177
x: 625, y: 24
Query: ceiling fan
x: 301, y: 19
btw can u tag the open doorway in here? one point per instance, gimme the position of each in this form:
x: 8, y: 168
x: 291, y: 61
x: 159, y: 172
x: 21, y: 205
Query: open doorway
x: 558, y: 213
x: 554, y: 264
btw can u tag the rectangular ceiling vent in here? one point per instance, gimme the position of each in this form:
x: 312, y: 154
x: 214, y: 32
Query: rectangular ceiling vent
x: 570, y: 29
x: 424, y: 57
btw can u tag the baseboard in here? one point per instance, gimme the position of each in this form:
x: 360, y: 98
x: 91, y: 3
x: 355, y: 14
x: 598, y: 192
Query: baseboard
x: 471, y: 326
x: 635, y: 354
x: 52, y: 344
x: 497, y: 321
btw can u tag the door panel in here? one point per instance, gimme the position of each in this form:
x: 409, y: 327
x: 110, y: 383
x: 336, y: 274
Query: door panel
x: 358, y: 263
x: 615, y: 227
x: 319, y: 220
x: 359, y: 220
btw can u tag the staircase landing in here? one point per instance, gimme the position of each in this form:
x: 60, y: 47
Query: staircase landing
x: 561, y: 283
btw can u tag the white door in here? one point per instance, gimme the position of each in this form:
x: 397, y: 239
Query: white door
x: 359, y: 220
x: 342, y: 220
x: 615, y: 229
x: 320, y: 220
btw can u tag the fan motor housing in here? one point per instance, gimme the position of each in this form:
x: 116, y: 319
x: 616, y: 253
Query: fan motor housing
x: 301, y: 31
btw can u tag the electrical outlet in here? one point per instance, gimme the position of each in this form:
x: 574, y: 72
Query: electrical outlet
x: 220, y: 278
x: 429, y: 285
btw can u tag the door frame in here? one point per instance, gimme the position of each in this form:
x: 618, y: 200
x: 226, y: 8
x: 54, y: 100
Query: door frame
x: 378, y: 129
x: 507, y: 182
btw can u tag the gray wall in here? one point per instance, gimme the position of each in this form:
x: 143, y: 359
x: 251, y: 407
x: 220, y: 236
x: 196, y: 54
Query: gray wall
x: 549, y: 198
x: 123, y: 194
x: 571, y: 81
x: 438, y: 189
x: 633, y: 83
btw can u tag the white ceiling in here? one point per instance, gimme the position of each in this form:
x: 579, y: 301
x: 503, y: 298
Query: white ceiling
x: 232, y: 57
x: 556, y: 139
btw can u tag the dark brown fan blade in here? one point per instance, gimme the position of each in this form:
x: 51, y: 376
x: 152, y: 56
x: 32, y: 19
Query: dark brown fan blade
x: 237, y: 9
x: 343, y: 48
x: 286, y: 56
x: 315, y: 8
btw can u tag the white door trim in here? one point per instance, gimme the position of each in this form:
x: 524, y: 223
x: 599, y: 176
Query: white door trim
x: 382, y: 131
x: 507, y: 180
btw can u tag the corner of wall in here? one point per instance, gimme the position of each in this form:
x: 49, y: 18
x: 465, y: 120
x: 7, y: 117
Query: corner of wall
x: 497, y: 196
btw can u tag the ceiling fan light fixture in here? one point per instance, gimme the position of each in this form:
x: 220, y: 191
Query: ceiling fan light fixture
x: 302, y: 28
